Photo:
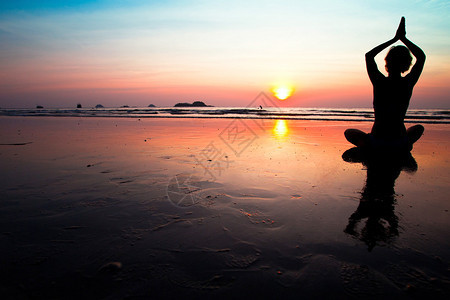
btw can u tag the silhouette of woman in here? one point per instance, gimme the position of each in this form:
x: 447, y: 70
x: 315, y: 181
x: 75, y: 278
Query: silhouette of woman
x: 391, y: 96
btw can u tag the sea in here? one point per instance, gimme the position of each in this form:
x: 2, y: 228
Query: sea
x: 437, y: 116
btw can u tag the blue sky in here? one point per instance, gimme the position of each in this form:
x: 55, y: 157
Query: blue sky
x: 54, y: 5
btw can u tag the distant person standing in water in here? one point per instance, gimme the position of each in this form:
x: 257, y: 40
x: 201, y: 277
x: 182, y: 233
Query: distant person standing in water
x: 391, y: 96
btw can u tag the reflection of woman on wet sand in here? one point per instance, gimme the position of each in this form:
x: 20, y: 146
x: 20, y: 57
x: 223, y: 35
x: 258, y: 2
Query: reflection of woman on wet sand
x: 374, y: 222
x: 391, y: 96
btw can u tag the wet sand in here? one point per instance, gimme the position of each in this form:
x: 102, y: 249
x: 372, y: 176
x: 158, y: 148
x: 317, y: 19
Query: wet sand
x: 111, y: 208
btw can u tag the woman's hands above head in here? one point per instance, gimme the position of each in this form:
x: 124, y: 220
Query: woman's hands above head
x: 401, y: 30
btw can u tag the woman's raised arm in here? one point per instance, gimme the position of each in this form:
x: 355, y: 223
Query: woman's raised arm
x: 371, y: 65
x: 420, y: 59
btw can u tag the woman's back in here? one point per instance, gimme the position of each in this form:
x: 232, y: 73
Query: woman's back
x: 390, y: 102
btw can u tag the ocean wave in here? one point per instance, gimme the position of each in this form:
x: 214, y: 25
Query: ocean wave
x: 326, y: 114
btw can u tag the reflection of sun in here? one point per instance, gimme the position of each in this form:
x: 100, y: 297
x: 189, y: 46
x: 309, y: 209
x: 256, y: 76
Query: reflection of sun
x: 282, y: 92
x: 280, y: 129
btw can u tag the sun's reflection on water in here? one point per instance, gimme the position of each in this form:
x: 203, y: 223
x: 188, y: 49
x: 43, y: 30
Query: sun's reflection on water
x: 280, y: 129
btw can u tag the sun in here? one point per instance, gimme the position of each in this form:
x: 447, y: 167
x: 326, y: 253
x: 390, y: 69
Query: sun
x: 282, y: 92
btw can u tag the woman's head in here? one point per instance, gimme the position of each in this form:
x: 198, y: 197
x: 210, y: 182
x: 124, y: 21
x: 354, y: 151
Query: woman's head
x: 398, y: 59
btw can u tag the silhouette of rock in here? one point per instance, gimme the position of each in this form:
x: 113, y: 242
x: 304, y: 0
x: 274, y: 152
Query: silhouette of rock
x: 183, y: 104
x: 151, y: 105
x: 99, y: 106
x: 198, y: 104
x: 79, y: 105
x: 194, y: 104
x: 124, y: 106
x: 39, y: 106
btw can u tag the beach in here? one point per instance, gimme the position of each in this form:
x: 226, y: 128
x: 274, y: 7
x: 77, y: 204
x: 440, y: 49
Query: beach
x: 136, y: 208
